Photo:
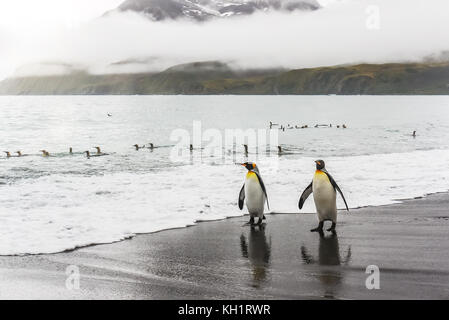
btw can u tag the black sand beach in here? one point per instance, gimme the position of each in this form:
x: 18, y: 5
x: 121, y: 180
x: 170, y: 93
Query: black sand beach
x: 409, y: 242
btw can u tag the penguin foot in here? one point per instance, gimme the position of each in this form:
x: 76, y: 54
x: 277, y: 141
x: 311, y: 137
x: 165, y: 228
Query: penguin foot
x: 319, y: 228
x: 259, y: 223
x: 332, y: 228
x: 251, y: 221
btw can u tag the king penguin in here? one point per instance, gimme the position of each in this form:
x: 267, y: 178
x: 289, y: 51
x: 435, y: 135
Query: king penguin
x: 324, y: 190
x: 255, y: 193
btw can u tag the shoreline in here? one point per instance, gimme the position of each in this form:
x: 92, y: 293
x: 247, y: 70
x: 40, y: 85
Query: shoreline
x: 284, y: 260
x: 197, y: 222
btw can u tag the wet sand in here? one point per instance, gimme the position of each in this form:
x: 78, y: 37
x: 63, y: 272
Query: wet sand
x: 409, y: 242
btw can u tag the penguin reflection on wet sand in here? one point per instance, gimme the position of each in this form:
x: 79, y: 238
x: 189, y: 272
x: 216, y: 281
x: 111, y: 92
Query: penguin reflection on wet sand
x: 257, y: 250
x: 245, y: 146
x: 324, y: 188
x: 255, y: 193
x: 328, y: 252
x: 328, y: 256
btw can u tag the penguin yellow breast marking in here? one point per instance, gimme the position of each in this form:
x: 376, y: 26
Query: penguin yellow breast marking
x: 252, y: 175
x: 321, y: 175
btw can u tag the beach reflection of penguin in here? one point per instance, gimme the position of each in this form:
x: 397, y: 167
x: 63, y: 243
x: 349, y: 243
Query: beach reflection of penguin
x: 257, y: 249
x: 329, y: 257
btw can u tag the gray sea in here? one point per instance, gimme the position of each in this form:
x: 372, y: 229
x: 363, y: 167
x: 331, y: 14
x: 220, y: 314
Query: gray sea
x: 55, y: 203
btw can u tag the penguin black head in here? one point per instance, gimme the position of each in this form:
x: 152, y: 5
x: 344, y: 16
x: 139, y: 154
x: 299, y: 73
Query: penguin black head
x: 319, y: 164
x: 249, y: 165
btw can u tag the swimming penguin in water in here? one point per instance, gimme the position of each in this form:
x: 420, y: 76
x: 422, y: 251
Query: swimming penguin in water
x: 138, y: 147
x: 414, y: 134
x: 324, y: 190
x: 99, y: 152
x: 19, y: 153
x: 151, y: 146
x: 88, y: 155
x: 8, y: 154
x: 45, y: 153
x: 255, y: 193
x: 70, y: 150
x: 279, y: 150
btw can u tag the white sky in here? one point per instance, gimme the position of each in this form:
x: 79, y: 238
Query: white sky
x: 54, y: 12
x: 66, y: 31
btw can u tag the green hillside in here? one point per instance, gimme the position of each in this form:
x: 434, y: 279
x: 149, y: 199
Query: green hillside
x: 218, y: 78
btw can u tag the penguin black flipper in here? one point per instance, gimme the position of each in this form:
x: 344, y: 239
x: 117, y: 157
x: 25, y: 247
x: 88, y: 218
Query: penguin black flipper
x: 305, y: 195
x: 263, y: 187
x: 242, y: 197
x: 336, y: 187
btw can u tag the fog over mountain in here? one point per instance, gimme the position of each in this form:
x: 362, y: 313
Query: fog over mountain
x: 287, y: 34
x: 202, y: 10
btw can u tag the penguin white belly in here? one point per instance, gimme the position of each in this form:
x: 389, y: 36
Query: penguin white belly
x: 325, y: 197
x: 255, y: 198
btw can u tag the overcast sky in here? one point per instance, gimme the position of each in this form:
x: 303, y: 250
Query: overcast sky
x: 54, y: 12
x: 345, y: 31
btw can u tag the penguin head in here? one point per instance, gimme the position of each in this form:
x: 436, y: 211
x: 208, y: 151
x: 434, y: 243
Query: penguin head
x: 249, y: 165
x: 319, y: 164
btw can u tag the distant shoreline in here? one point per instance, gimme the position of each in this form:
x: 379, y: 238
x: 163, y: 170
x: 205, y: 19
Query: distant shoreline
x: 215, y: 78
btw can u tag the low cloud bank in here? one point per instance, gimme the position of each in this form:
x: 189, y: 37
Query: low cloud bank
x: 342, y: 32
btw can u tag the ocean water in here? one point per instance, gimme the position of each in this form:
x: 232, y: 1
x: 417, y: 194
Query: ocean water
x: 66, y: 201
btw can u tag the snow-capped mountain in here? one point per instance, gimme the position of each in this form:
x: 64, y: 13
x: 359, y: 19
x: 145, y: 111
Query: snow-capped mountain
x: 202, y: 10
